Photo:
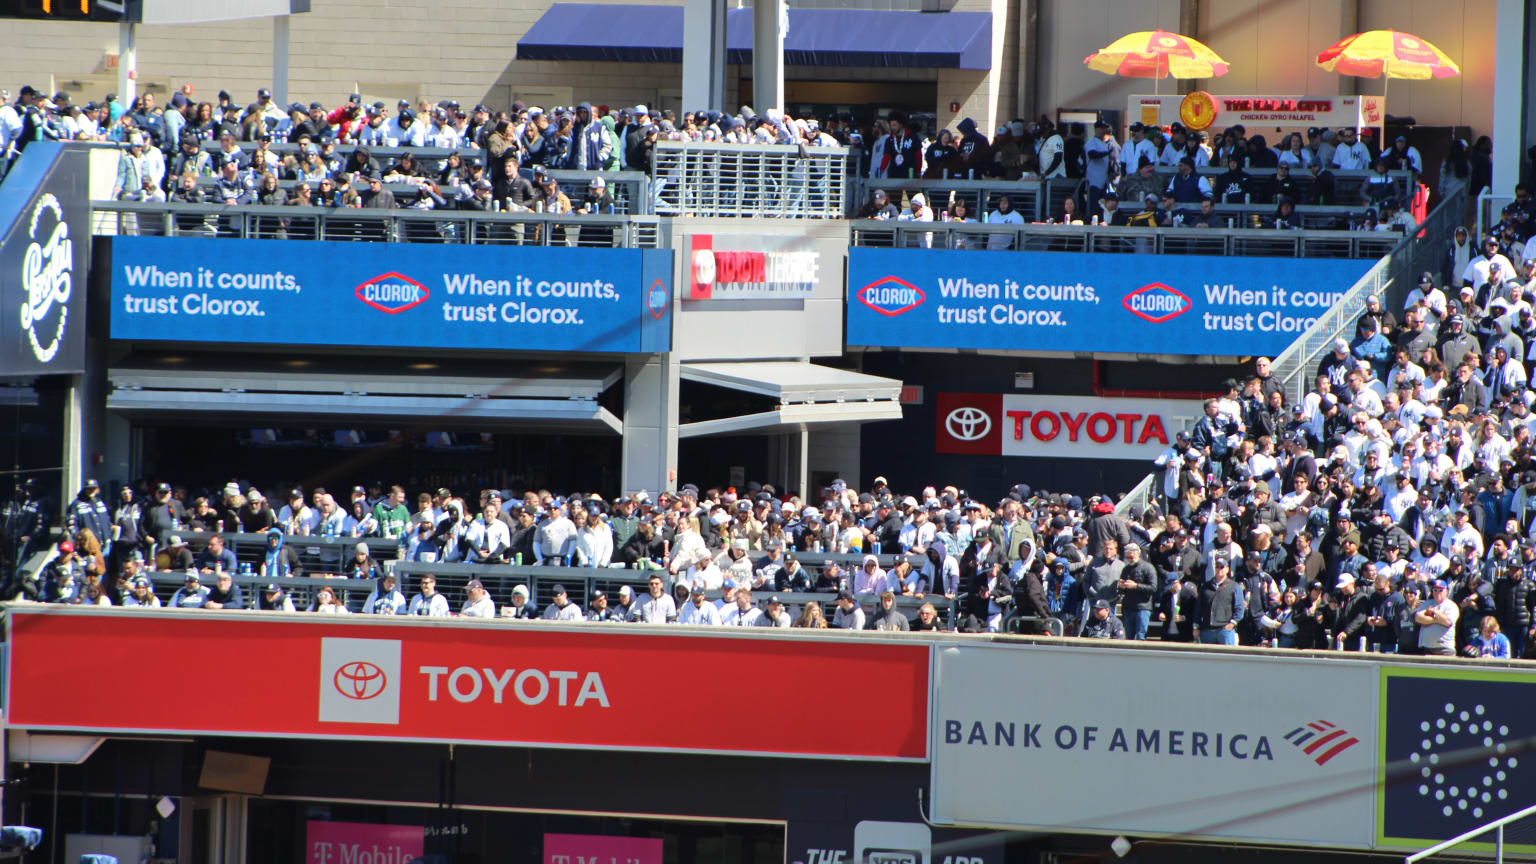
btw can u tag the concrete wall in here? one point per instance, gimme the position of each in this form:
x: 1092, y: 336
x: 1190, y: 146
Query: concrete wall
x: 463, y: 49
x: 1072, y: 29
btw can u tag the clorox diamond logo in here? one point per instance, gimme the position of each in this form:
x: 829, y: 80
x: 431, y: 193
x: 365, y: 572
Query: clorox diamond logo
x: 656, y: 299
x: 392, y: 293
x: 1156, y: 303
x: 891, y: 296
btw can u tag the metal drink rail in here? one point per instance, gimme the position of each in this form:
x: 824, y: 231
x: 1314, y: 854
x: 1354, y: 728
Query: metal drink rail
x: 749, y: 180
x: 1042, y: 198
x: 1251, y: 242
x: 169, y: 219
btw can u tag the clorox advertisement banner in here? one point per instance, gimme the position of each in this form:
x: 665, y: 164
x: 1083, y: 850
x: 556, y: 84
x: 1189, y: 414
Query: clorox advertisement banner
x: 1058, y: 301
x: 543, y: 298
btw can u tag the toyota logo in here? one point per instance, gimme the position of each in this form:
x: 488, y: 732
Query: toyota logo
x: 967, y: 424
x: 360, y: 679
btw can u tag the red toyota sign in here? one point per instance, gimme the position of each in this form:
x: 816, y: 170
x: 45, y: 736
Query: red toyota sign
x: 521, y: 684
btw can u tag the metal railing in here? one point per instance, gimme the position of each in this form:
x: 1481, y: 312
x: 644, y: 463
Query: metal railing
x: 1042, y: 198
x: 169, y: 219
x: 749, y: 180
x: 1389, y: 280
x: 630, y: 190
x: 1248, y: 242
x: 1496, y: 826
x: 1487, y: 210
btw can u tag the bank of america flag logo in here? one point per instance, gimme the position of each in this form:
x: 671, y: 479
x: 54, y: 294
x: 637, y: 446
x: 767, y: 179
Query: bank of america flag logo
x: 1321, y: 740
x: 1457, y: 751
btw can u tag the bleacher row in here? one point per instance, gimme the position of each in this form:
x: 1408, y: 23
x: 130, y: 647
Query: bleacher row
x: 325, y: 555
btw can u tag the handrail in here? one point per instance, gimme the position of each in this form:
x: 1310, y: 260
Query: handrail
x: 162, y: 218
x: 1135, y: 501
x: 749, y: 180
x: 1462, y: 838
x: 1253, y: 242
x: 1392, y: 271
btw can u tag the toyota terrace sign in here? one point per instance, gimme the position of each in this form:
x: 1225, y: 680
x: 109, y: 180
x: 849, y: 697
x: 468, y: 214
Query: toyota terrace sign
x: 1068, y: 427
x: 498, y: 683
x: 752, y: 267
x: 1217, y: 756
x: 1113, y: 304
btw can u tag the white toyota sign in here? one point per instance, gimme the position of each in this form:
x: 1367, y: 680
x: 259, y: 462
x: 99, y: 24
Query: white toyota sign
x: 1067, y: 427
x: 1216, y: 746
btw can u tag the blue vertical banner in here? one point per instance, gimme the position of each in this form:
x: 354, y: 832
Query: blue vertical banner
x: 1068, y: 301
x: 295, y: 292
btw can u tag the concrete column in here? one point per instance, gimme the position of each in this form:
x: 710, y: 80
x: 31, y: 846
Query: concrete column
x: 651, y: 387
x: 1028, y: 84
x: 280, y: 59
x: 73, y: 456
x: 1508, y: 95
x: 1349, y: 24
x: 127, y: 63
x: 1189, y: 25
x: 767, y: 55
x: 800, y: 470
x: 704, y: 55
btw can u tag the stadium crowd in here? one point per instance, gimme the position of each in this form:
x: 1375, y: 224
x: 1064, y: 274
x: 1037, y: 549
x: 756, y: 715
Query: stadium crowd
x: 1120, y: 183
x: 166, y: 148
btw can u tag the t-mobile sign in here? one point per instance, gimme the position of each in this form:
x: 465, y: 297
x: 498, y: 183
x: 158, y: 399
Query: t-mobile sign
x: 600, y: 849
x: 362, y: 843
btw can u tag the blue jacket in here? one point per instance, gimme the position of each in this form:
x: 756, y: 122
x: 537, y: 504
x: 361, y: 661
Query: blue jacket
x: 90, y: 513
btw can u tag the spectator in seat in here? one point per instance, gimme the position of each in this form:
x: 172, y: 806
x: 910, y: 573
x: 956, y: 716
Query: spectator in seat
x: 191, y: 595
x: 279, y: 560
x: 1220, y: 607
x: 429, y: 601
x: 657, y: 606
x: 849, y: 615
x: 477, y: 601
x: 1436, y: 618
x: 811, y: 617
x: 176, y: 555
x: 328, y: 603
x: 1102, y: 624
x: 275, y: 599
x: 141, y: 593
x: 215, y: 558
x: 887, y: 616
x: 1488, y: 642
x: 385, y: 598
x: 562, y: 609
x: 224, y: 594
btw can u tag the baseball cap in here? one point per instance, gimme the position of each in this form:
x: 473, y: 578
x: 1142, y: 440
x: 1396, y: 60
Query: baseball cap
x: 1344, y: 579
x: 175, y: 541
x: 558, y: 590
x: 1101, y: 604
x: 273, y: 588
x: 597, y: 595
x: 66, y: 546
x: 475, y: 583
x: 844, y: 595
x: 1438, y: 583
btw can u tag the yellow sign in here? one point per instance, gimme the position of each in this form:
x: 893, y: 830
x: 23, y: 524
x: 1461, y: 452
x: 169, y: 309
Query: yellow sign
x: 1197, y: 110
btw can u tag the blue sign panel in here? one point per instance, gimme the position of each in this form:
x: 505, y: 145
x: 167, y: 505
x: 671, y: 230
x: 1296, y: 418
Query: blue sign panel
x: 294, y: 292
x: 1064, y: 301
x: 1456, y: 754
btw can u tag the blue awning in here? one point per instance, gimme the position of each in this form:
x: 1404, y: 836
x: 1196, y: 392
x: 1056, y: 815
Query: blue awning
x: 817, y: 37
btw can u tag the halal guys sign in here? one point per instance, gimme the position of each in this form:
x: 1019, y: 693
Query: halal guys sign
x: 1070, y: 427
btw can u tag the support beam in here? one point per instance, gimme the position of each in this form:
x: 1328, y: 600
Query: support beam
x: 1028, y: 86
x: 651, y: 387
x: 1508, y: 95
x: 73, y: 455
x: 768, y: 17
x: 1189, y: 25
x: 280, y: 59
x: 127, y: 63
x: 704, y: 55
x: 1349, y: 24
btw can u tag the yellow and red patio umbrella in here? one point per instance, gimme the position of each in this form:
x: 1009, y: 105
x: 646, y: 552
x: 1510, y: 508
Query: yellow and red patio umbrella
x: 1389, y: 53
x: 1157, y: 54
